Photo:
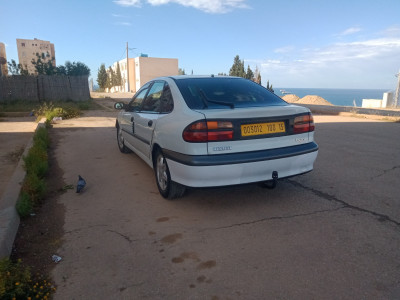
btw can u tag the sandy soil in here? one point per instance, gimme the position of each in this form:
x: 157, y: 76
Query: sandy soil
x: 309, y: 99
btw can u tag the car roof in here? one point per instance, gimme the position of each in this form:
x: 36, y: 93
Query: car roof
x: 179, y: 77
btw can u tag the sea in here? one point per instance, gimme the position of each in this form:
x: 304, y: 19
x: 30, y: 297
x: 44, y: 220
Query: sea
x: 341, y: 97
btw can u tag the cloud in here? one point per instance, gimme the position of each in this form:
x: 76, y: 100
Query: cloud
x: 350, y: 31
x: 285, y: 49
x: 127, y: 3
x: 365, y: 63
x: 118, y: 16
x: 124, y: 23
x: 208, y: 6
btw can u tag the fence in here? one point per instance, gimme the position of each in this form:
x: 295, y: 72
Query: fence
x: 44, y: 88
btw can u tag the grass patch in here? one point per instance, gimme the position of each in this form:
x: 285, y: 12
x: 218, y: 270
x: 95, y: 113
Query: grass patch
x: 17, y: 282
x: 18, y: 106
x: 36, y: 166
x: 64, y: 109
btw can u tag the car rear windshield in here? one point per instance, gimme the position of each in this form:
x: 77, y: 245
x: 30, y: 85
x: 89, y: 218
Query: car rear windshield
x: 225, y: 92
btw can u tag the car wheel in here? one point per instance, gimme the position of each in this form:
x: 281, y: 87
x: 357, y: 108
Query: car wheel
x: 120, y: 140
x: 167, y: 188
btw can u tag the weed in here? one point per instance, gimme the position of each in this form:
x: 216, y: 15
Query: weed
x: 17, y: 282
x: 36, y: 166
x: 35, y: 187
x: 18, y: 106
x: 65, y: 110
x: 24, y: 205
x: 36, y: 161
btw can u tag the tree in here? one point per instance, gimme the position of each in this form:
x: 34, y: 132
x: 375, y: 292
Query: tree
x: 61, y: 70
x: 181, y: 71
x: 102, y: 77
x: 257, y: 76
x: 237, y: 68
x: 249, y: 73
x: 118, y: 76
x: 16, y: 69
x: 269, y: 87
x: 43, y: 64
x: 76, y: 69
x: 111, y: 78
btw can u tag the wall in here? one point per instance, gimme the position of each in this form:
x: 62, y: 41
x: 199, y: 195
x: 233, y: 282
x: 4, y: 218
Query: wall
x: 143, y: 69
x: 44, y: 88
x: 371, y: 103
x: 152, y: 67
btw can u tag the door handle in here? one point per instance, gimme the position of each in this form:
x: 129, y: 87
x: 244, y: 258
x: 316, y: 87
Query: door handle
x: 150, y: 123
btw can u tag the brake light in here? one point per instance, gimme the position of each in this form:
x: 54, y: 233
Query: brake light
x: 304, y: 124
x: 208, y: 131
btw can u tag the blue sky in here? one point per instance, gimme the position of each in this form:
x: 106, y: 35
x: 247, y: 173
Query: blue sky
x: 310, y: 44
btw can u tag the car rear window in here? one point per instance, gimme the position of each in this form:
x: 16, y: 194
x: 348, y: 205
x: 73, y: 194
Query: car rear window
x: 223, y: 92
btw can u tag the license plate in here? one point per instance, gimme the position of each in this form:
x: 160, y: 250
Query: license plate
x: 262, y: 128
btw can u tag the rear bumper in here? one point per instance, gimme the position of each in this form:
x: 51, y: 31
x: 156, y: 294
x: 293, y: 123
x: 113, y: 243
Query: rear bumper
x: 239, y: 168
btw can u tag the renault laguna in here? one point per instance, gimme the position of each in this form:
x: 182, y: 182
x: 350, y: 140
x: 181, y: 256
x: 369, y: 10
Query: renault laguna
x: 215, y: 131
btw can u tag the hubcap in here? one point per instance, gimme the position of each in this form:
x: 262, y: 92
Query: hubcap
x: 162, y: 177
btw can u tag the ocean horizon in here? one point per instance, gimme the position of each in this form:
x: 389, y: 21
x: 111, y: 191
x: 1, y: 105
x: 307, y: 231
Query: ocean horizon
x: 340, y: 97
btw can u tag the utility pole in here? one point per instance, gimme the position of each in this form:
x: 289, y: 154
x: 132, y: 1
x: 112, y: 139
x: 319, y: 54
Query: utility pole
x: 127, y: 67
x: 396, y: 97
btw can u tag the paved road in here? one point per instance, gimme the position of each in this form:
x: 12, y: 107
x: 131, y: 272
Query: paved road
x: 331, y: 234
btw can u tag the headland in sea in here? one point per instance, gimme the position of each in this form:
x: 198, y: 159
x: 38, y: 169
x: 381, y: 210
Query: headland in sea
x: 339, y: 97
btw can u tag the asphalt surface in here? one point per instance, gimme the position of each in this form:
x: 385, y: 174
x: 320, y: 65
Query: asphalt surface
x: 333, y: 233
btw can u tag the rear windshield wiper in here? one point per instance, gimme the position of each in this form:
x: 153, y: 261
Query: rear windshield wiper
x: 206, y: 100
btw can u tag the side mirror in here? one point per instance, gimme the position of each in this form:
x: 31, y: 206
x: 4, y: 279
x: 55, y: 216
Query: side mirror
x: 119, y: 105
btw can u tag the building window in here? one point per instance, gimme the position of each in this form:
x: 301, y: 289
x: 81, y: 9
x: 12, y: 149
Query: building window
x: 23, y: 44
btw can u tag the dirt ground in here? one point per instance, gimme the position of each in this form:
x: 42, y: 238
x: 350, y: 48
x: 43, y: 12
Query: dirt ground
x: 41, y: 235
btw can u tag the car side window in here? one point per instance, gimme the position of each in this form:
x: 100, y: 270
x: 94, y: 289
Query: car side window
x: 137, y: 100
x: 153, y: 100
x: 167, y: 103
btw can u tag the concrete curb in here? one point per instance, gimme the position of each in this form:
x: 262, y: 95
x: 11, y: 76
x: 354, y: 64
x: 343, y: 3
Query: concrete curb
x: 9, y: 218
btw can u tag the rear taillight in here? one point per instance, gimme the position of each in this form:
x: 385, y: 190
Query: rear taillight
x: 208, y: 131
x: 303, y: 124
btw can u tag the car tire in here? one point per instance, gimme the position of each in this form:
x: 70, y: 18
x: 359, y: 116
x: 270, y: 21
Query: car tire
x: 120, y: 141
x: 167, y: 188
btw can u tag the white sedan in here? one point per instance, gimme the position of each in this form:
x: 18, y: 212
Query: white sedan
x: 215, y: 131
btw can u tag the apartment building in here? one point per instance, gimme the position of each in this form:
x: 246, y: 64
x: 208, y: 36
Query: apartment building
x: 27, y: 50
x: 3, y: 60
x: 143, y: 69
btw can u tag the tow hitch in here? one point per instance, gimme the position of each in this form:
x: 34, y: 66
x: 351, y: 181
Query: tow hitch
x: 271, y: 184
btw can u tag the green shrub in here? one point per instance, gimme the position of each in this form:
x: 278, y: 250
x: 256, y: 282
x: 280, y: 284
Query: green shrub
x: 24, y: 205
x: 36, y: 166
x: 35, y: 187
x: 17, y: 282
x: 36, y: 161
x: 65, y: 110
x: 42, y: 137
